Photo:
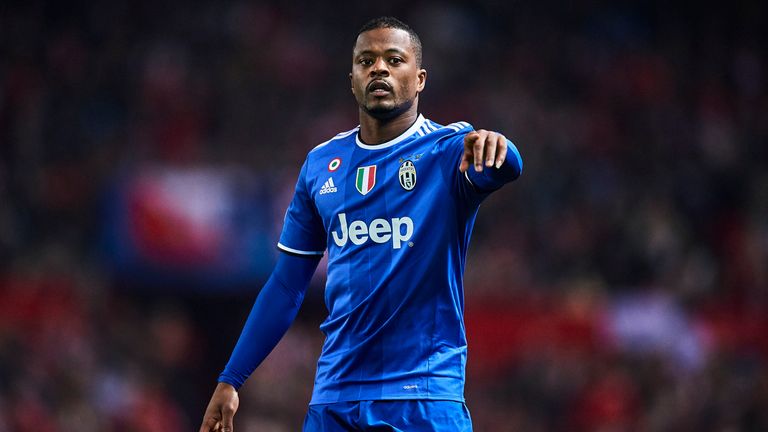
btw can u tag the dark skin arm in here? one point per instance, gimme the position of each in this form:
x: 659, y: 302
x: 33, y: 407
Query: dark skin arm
x: 273, y: 312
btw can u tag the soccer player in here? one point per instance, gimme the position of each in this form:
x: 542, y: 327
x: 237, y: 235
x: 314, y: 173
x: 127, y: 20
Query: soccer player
x: 393, y: 202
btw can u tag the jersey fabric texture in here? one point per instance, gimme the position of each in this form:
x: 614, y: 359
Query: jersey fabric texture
x: 395, y: 416
x: 396, y: 220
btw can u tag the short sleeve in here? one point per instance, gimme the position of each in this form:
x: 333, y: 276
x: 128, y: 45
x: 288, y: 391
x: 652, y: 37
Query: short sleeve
x: 303, y: 232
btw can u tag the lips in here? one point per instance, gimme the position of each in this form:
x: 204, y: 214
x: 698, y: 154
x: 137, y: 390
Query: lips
x: 379, y: 87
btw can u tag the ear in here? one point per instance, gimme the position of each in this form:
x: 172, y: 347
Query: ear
x: 421, y: 78
x: 351, y: 84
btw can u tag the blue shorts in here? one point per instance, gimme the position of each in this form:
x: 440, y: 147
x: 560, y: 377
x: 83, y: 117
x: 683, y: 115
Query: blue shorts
x: 389, y: 415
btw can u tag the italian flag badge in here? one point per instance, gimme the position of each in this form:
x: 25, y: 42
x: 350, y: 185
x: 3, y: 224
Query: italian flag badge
x: 366, y: 179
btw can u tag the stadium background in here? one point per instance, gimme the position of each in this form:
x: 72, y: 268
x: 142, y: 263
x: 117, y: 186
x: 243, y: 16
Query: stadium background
x: 148, y: 149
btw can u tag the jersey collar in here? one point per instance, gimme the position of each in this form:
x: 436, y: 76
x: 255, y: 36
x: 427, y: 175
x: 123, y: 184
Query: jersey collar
x: 410, y: 131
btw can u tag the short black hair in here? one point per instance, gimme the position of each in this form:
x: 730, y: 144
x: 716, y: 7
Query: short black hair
x: 394, y: 23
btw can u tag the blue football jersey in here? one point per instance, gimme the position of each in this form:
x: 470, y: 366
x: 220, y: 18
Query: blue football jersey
x: 396, y: 220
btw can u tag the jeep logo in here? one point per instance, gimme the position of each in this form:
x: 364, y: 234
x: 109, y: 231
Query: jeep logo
x: 379, y: 230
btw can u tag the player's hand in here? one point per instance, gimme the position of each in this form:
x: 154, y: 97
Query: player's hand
x: 221, y: 409
x: 483, y: 146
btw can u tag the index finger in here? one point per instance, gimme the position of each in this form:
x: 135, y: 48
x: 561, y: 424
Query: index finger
x: 468, y: 156
x: 477, y: 149
x: 470, y: 138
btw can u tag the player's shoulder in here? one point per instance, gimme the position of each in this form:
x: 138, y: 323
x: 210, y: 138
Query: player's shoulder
x: 459, y: 126
x: 330, y: 152
x: 451, y: 129
x: 336, y: 139
x: 445, y: 137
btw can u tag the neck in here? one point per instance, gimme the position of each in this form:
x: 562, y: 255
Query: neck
x: 376, y: 131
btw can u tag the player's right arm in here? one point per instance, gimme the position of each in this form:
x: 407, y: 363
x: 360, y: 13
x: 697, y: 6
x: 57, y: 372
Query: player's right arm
x: 273, y: 312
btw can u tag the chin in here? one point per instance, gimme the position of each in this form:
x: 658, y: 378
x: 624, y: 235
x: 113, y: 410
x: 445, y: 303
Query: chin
x: 384, y: 112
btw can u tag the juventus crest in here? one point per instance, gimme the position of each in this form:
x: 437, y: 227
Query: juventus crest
x: 407, y: 175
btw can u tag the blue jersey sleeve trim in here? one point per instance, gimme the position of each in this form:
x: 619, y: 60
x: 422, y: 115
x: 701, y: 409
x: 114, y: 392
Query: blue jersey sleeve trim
x: 458, y: 126
x: 466, y: 176
x: 297, y: 251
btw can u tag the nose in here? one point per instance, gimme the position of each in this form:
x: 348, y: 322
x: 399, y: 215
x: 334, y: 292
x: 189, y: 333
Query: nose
x: 380, y: 67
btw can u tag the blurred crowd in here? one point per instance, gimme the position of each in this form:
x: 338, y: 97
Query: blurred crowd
x: 621, y: 284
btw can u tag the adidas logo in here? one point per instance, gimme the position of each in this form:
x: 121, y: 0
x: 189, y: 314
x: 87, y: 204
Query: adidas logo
x: 328, y: 186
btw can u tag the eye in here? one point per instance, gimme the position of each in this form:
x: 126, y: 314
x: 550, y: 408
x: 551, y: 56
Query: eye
x: 395, y: 60
x: 365, y: 61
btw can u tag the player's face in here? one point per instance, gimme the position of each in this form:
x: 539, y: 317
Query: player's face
x: 385, y: 77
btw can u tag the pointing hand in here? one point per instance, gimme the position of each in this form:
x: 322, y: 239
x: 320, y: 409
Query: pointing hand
x: 482, y: 145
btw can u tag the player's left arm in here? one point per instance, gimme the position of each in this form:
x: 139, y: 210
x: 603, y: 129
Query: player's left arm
x: 494, y: 159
